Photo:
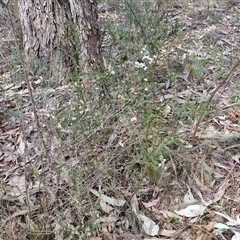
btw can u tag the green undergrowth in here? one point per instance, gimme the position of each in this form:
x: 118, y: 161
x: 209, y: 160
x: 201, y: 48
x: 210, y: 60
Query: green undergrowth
x: 127, y: 133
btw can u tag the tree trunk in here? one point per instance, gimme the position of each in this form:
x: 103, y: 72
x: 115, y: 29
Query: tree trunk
x: 66, y: 26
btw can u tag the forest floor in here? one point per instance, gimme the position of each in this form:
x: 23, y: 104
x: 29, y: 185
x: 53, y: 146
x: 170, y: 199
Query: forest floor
x: 149, y: 151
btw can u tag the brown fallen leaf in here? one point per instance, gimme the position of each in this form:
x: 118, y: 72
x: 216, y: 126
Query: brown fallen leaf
x: 221, y: 191
x: 233, y: 129
x: 18, y: 183
x: 234, y: 115
x: 106, y: 233
x: 152, y: 203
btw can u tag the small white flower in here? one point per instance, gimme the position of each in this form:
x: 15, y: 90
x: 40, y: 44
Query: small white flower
x: 112, y: 72
x: 162, y: 164
x: 145, y: 57
x: 149, y: 59
x: 137, y: 64
x: 121, y: 143
x: 133, y: 119
x: 140, y: 65
x: 144, y: 50
x: 146, y: 89
x: 145, y: 79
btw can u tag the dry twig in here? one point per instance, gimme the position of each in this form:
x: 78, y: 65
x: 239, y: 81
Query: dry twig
x: 225, y: 80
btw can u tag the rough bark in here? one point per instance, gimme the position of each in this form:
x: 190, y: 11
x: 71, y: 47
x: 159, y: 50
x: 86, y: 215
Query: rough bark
x: 47, y: 27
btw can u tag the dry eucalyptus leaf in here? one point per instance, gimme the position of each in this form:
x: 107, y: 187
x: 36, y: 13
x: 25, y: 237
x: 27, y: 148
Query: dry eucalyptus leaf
x: 188, y: 198
x: 147, y: 224
x: 192, y: 211
x: 109, y: 200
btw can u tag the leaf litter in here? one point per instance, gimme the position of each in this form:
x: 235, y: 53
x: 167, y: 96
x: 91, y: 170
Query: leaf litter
x: 158, y: 215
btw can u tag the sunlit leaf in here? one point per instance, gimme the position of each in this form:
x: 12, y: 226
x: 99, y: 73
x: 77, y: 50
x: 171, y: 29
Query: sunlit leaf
x: 192, y: 211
